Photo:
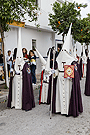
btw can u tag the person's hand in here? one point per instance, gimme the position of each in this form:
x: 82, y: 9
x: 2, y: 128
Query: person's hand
x: 13, y: 60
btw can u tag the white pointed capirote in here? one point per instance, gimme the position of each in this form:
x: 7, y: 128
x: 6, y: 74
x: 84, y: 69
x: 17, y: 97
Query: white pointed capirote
x: 64, y: 56
x: 65, y: 37
x: 19, y: 57
x: 67, y: 44
x: 43, y: 61
x: 17, y: 81
x: 47, y: 66
x: 64, y: 86
x: 75, y: 51
x: 84, y: 50
x: 89, y: 54
x: 84, y: 58
x: 72, y: 46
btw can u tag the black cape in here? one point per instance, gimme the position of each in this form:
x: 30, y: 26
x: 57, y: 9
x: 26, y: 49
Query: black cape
x: 87, y: 84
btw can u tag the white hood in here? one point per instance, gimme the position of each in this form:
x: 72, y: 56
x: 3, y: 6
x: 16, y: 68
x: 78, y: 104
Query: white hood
x: 19, y: 58
x: 84, y: 50
x: 47, y: 67
x: 68, y: 41
x: 43, y: 61
x: 75, y: 51
x: 64, y: 55
x: 84, y: 58
x: 89, y: 54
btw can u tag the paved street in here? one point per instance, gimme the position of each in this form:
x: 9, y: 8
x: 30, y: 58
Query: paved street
x: 37, y: 121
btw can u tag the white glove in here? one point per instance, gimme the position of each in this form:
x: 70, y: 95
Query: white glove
x: 52, y: 71
x: 68, y: 77
x: 11, y: 70
x: 17, y: 72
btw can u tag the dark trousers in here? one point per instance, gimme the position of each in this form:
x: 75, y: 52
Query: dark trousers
x: 33, y: 68
x: 8, y: 67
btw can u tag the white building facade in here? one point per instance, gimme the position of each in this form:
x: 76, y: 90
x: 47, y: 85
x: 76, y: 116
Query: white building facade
x: 42, y: 38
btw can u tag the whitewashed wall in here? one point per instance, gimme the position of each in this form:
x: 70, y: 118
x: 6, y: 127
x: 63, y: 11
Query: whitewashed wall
x: 44, y: 40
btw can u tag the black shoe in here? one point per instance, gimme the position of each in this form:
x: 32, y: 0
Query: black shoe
x: 26, y: 110
x: 12, y: 107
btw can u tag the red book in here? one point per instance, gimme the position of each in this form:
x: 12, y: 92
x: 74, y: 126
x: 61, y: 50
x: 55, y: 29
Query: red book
x: 69, y: 71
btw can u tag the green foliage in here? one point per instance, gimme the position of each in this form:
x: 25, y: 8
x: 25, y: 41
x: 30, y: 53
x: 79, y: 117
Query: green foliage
x: 16, y: 10
x: 64, y: 14
x: 81, y: 30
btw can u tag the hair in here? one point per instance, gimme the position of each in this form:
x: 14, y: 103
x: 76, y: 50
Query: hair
x: 9, y: 51
x: 0, y: 49
x: 25, y: 50
x: 32, y: 52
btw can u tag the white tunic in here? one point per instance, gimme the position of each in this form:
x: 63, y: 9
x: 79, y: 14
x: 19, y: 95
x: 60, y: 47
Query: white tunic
x: 45, y: 85
x: 63, y: 94
x: 84, y: 62
x: 17, y: 92
x: 44, y: 93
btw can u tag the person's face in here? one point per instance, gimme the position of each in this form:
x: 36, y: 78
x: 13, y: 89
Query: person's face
x: 58, y: 49
x: 0, y: 51
x: 9, y: 53
x: 31, y: 54
x: 24, y: 51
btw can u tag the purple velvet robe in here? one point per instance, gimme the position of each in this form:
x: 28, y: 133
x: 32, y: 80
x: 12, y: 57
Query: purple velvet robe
x: 27, y: 90
x: 87, y: 85
x: 75, y: 106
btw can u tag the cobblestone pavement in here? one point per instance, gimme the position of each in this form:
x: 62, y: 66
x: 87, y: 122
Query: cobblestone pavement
x: 37, y: 121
